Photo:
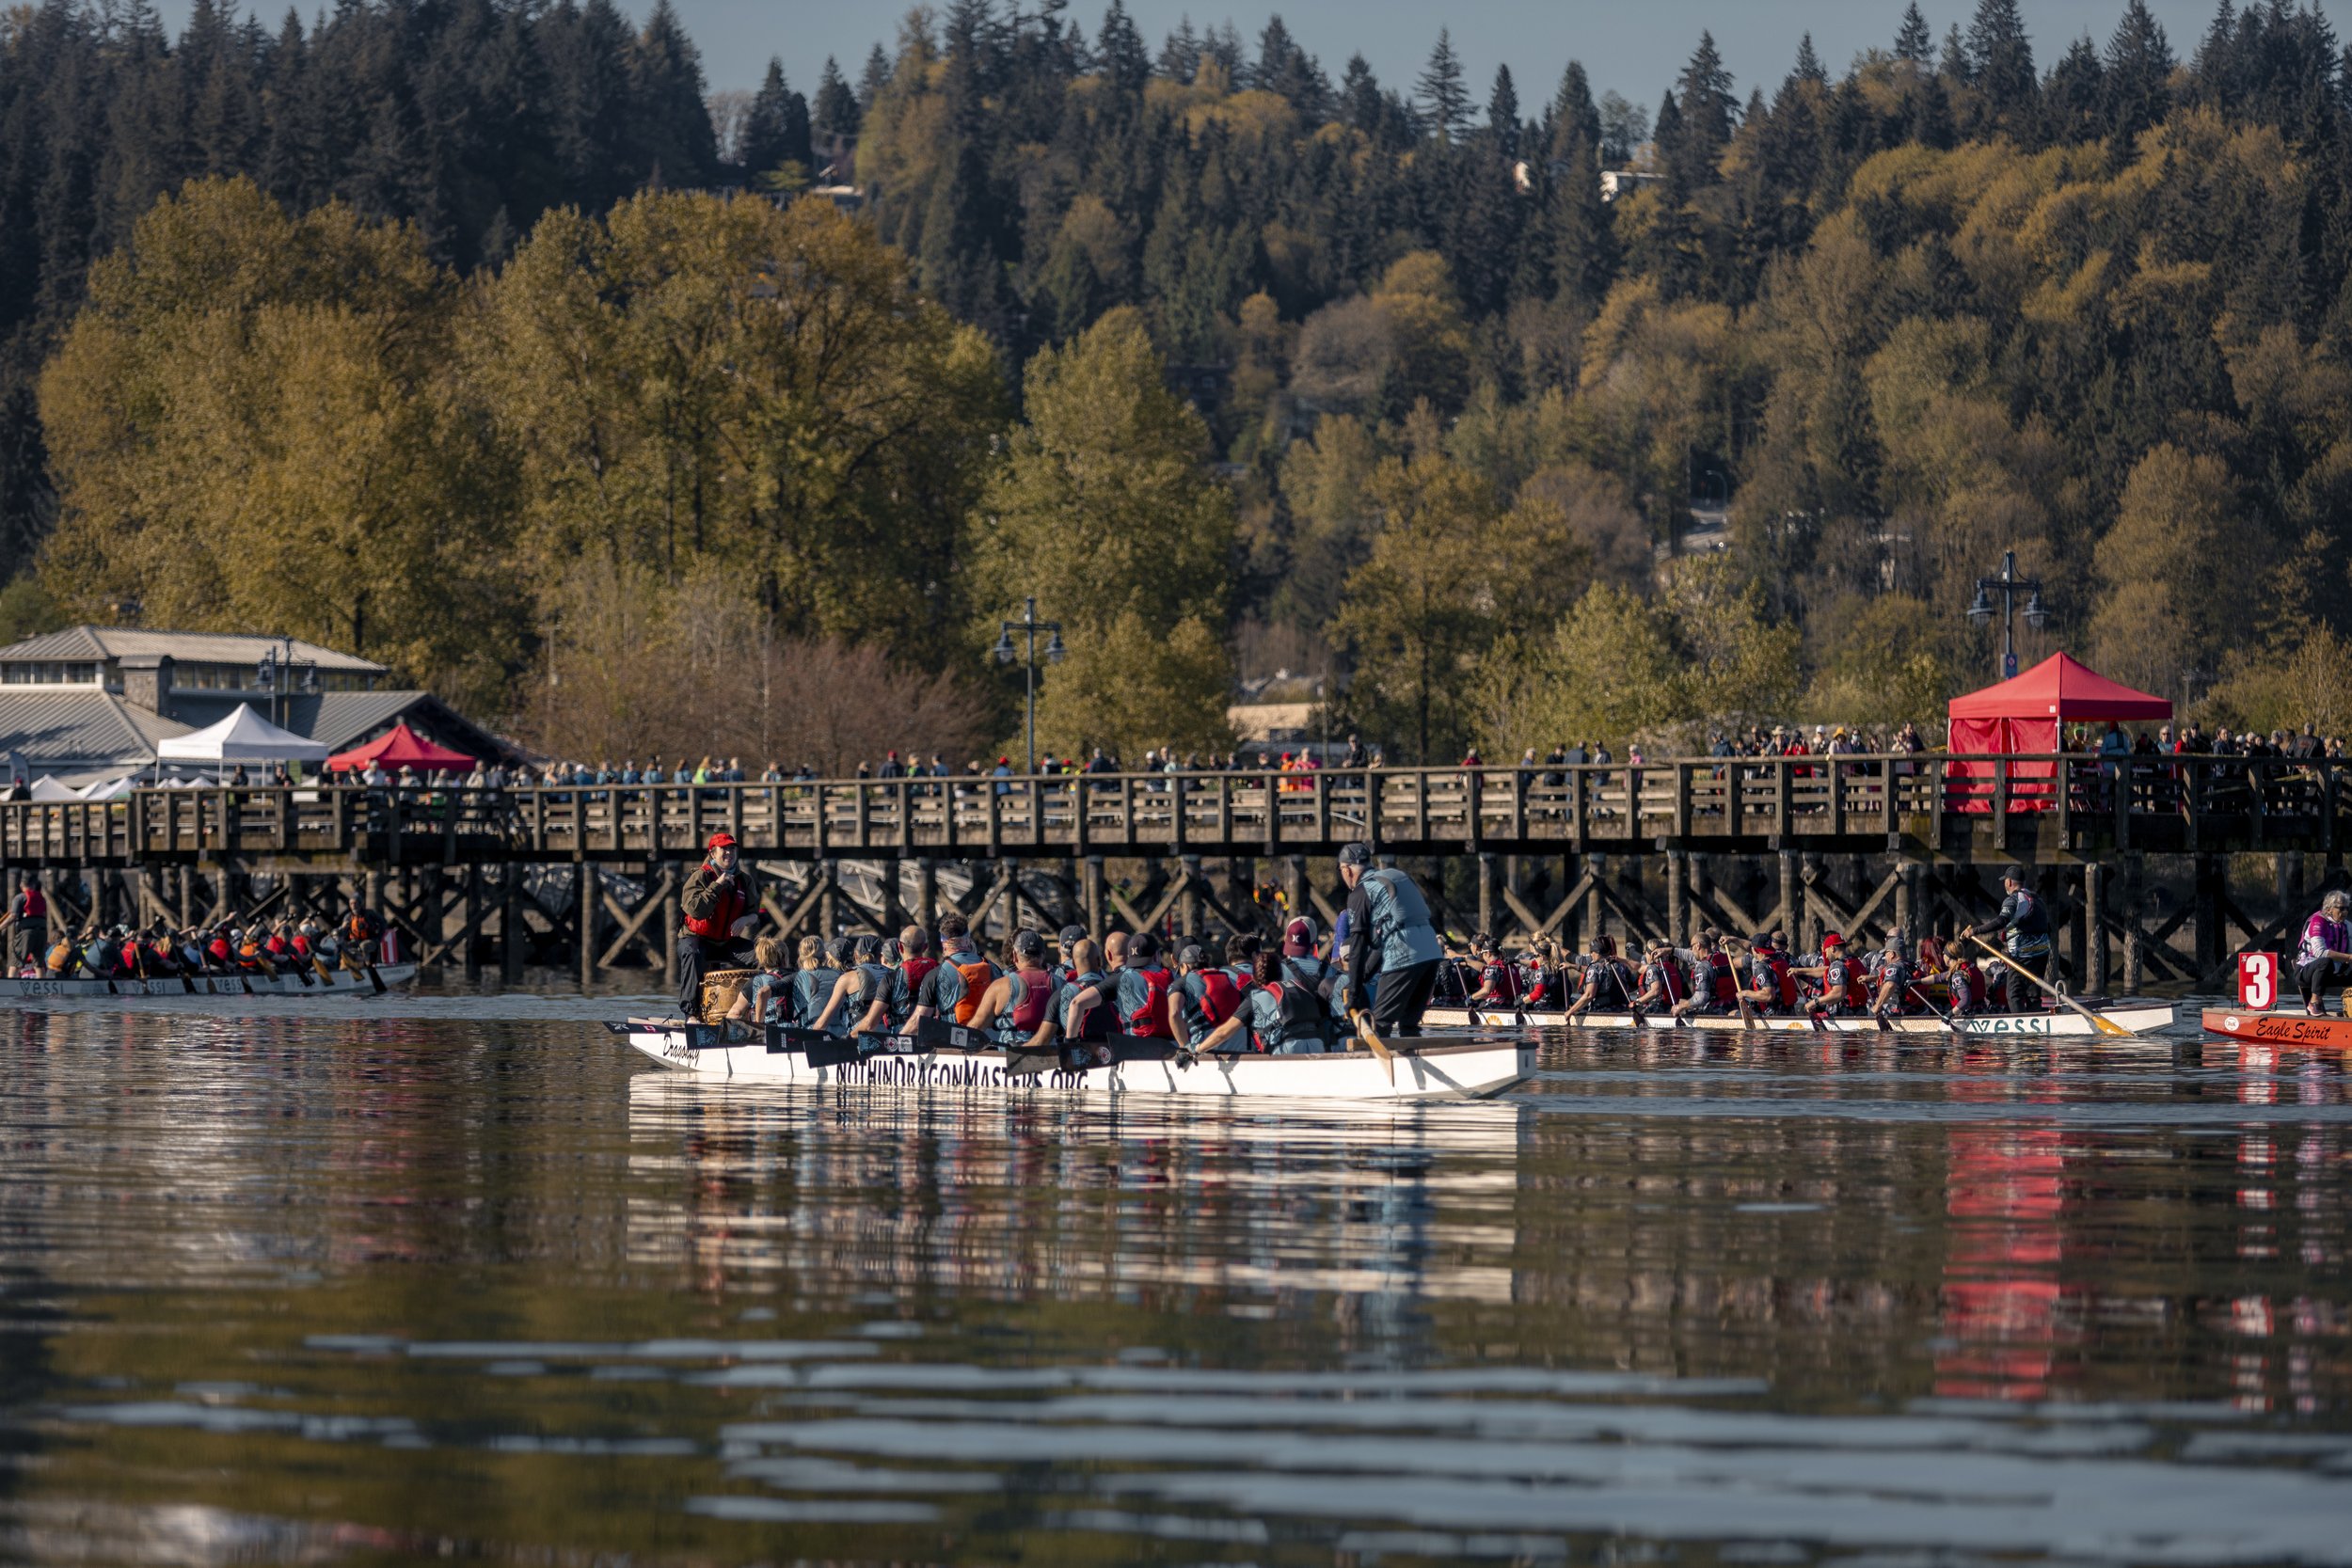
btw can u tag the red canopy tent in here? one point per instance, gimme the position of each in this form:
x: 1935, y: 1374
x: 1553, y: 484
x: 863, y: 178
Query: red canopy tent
x: 398, y: 747
x: 2024, y: 715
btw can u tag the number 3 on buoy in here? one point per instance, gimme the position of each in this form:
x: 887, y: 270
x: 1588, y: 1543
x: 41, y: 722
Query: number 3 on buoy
x: 2257, y: 980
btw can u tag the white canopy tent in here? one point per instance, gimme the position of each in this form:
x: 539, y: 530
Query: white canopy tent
x: 244, y: 735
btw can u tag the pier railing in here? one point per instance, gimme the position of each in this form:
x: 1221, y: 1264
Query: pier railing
x: 2208, y: 804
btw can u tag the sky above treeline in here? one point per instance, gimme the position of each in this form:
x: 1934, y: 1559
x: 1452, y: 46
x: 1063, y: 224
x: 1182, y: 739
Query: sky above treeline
x: 1632, y: 46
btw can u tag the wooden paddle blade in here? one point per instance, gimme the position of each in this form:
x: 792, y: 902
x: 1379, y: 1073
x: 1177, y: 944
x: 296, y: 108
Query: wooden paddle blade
x: 1372, y: 1042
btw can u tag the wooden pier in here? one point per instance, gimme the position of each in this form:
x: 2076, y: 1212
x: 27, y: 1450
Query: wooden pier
x: 1855, y: 844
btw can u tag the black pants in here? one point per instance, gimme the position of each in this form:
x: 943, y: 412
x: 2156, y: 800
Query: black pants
x: 696, y: 957
x: 27, y: 939
x: 2320, y: 975
x: 2017, y: 994
x: 1397, y: 1001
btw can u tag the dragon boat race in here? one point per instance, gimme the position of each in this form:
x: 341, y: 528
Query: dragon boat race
x: 1015, y: 786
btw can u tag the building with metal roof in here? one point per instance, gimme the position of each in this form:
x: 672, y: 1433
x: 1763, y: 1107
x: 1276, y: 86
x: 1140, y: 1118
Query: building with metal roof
x: 90, y: 703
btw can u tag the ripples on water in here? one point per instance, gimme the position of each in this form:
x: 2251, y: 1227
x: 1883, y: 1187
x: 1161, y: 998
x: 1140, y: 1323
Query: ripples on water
x: 449, y: 1277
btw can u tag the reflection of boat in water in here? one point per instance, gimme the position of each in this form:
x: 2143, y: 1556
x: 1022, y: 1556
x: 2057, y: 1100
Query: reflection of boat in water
x: 1383, y: 1200
x: 333, y: 982
x: 957, y: 1058
x: 2133, y: 1015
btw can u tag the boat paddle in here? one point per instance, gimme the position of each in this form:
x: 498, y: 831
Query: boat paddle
x: 1361, y: 1018
x: 2104, y: 1025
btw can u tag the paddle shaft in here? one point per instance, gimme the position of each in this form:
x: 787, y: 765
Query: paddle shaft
x: 2105, y: 1026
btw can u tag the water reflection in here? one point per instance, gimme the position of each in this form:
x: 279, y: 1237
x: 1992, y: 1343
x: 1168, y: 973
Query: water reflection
x: 287, y: 1288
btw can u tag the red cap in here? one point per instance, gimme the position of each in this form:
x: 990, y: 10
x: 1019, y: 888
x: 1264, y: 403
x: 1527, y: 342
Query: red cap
x: 721, y: 840
x: 1298, y: 938
x: 1833, y: 940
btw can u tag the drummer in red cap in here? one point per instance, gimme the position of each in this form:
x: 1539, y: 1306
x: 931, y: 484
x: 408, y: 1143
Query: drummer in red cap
x: 720, y: 915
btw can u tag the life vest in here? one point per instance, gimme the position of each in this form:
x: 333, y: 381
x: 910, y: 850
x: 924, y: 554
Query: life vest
x: 249, y: 955
x: 1967, y: 983
x: 1028, y: 1011
x: 1614, y: 971
x: 1096, y: 1025
x: 917, y: 970
x: 219, y: 951
x: 1861, y: 983
x: 811, y: 989
x: 1671, y: 983
x: 130, y: 951
x: 1150, y: 1021
x: 1784, y: 979
x: 977, y: 975
x: 30, y: 905
x: 302, y: 945
x: 1300, y: 1013
x: 1537, y: 988
x: 61, y: 957
x: 873, y: 985
x: 1501, y: 984
x: 358, y: 928
x: 96, y: 958
x: 1723, y: 985
x: 730, y: 907
x: 1221, y: 999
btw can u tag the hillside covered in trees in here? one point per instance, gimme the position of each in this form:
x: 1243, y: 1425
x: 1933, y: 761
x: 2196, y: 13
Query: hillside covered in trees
x: 1205, y: 346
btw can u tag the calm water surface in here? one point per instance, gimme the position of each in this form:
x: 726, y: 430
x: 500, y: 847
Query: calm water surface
x: 438, y: 1277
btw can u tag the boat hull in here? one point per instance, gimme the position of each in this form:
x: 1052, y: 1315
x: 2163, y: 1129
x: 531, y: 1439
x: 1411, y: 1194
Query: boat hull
x: 336, y: 983
x: 2138, y: 1016
x: 1432, y: 1072
x: 2291, y: 1029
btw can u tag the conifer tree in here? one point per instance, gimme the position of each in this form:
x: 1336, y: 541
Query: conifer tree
x: 834, y: 112
x: 2000, y: 61
x: 1502, y: 113
x: 1439, y: 93
x: 2139, y: 72
x: 1911, y: 39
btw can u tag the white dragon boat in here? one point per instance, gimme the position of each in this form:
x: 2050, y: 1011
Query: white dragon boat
x: 334, y: 982
x: 947, y: 1056
x: 2133, y: 1015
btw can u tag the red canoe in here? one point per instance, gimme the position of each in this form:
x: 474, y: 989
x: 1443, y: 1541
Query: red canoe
x: 2244, y: 1023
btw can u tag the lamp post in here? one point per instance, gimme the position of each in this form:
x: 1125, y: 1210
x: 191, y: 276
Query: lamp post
x: 1029, y: 625
x: 275, y: 675
x: 2011, y: 585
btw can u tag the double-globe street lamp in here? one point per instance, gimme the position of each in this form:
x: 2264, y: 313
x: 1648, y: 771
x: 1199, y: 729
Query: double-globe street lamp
x: 2011, y: 585
x: 1029, y: 625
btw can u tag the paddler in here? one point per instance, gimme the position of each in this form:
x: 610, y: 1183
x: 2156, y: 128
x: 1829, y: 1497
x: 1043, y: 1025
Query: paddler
x: 1205, y: 996
x: 1087, y: 1007
x: 768, y: 992
x: 1837, y: 973
x: 27, y: 924
x: 2322, y: 959
x: 1665, y: 983
x: 361, y: 933
x: 1498, y: 982
x: 1141, y: 987
x: 860, y: 1003
x: 1300, y: 961
x: 2023, y: 927
x: 1893, y: 977
x: 1020, y: 1008
x: 1608, y: 980
x: 951, y: 991
x: 1393, y: 940
x: 821, y: 972
x: 719, y: 916
x: 1284, y: 1014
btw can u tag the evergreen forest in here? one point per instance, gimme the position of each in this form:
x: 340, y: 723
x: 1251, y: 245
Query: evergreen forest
x: 477, y: 336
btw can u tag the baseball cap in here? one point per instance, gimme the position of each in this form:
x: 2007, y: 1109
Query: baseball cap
x: 1142, y: 945
x: 1356, y: 854
x: 721, y: 840
x: 1831, y: 939
x: 1073, y: 935
x: 1298, y: 938
x: 1028, y: 944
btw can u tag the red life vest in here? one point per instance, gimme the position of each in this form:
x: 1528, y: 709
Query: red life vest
x: 131, y: 958
x: 1861, y: 990
x: 977, y: 976
x: 30, y: 905
x: 720, y: 923
x: 1788, y: 982
x: 302, y: 945
x: 219, y: 950
x: 1504, y: 983
x: 1968, y: 987
x: 1722, y: 982
x: 1149, y: 1022
x: 1036, y: 994
x: 917, y: 971
x: 1221, y: 999
x: 1672, y: 982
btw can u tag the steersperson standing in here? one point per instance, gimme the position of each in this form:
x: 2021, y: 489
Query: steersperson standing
x: 2324, y: 957
x: 720, y: 915
x: 27, y: 924
x: 2024, y: 927
x: 1390, y: 938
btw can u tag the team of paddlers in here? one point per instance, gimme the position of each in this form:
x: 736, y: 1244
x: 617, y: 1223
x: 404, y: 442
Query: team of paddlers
x: 1375, y: 973
x: 264, y: 948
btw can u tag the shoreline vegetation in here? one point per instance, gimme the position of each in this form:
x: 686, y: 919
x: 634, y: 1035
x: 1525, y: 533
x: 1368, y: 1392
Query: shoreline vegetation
x: 478, y: 339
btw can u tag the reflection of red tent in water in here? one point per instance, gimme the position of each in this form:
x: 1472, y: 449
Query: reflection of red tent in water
x: 1999, y: 1309
x: 2026, y: 715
